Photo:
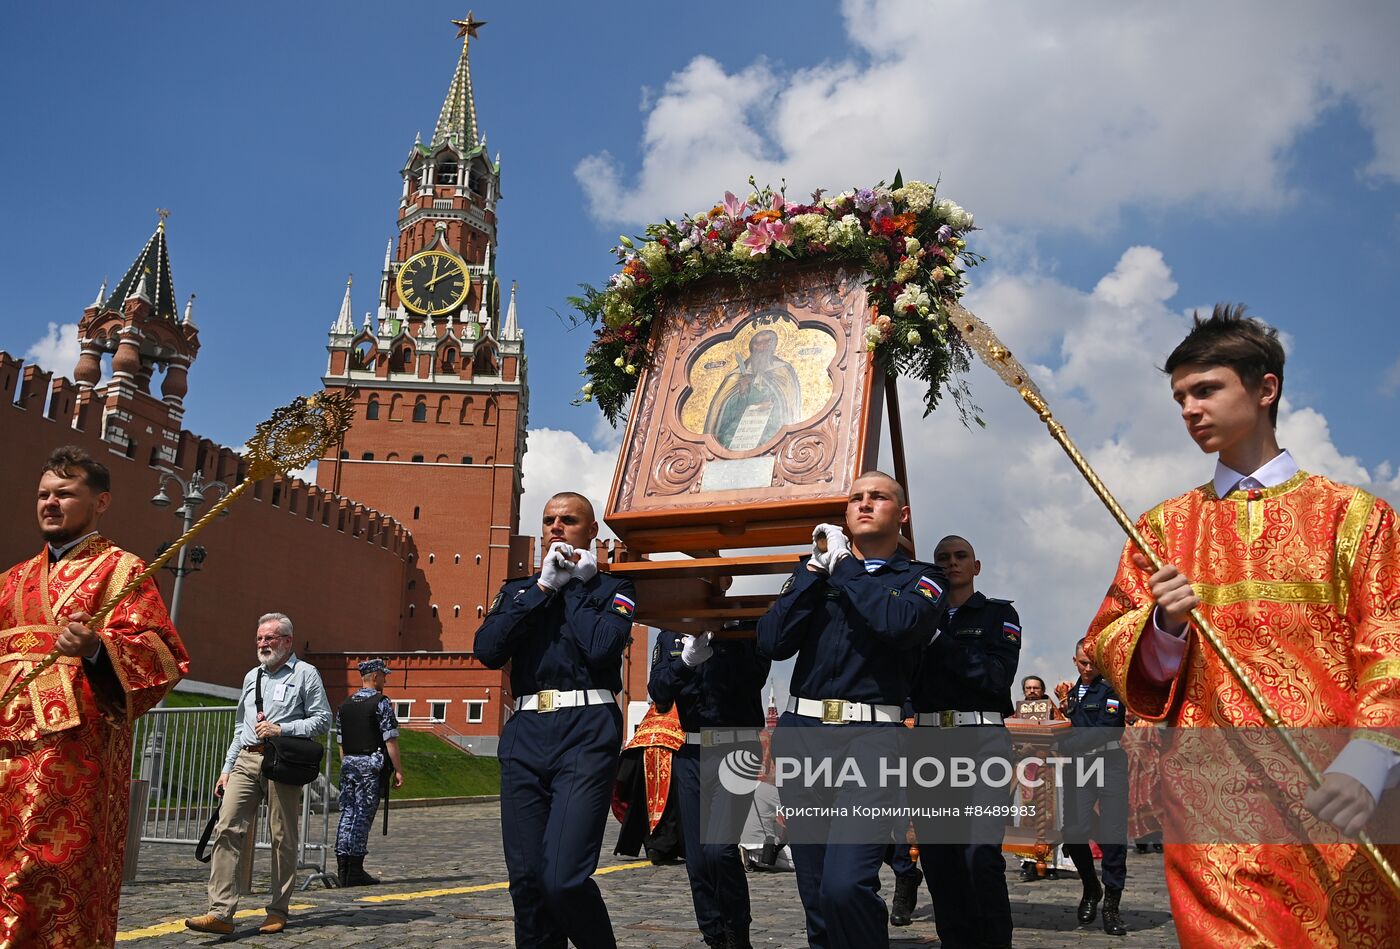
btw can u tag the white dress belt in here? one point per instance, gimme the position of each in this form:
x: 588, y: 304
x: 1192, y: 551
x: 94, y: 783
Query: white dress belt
x: 840, y: 712
x: 548, y: 700
x: 721, y: 736
x: 953, y: 719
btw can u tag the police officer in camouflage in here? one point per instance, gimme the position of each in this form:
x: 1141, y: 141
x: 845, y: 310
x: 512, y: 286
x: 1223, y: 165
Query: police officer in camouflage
x: 965, y: 684
x: 369, y: 734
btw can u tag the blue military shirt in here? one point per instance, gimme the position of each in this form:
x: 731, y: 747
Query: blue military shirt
x: 1098, y: 718
x: 857, y: 634
x: 572, y: 638
x: 724, y: 691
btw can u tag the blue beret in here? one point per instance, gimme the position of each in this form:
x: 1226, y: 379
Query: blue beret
x: 374, y: 665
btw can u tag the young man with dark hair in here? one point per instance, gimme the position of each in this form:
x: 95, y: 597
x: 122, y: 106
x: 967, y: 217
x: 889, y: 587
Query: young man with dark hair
x: 1302, y: 576
x: 66, y: 739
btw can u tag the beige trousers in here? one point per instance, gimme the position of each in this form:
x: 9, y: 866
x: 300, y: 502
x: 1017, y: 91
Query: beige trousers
x: 245, y: 790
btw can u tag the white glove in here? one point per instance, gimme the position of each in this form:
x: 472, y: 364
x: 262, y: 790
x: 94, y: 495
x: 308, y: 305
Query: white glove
x: 558, y: 566
x: 587, y: 566
x: 696, y: 649
x: 837, y: 546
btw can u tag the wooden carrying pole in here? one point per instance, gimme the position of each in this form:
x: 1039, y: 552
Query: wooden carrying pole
x: 998, y: 358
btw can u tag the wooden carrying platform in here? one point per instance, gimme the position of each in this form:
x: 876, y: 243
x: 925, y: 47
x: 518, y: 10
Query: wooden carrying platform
x: 760, y: 409
x: 1038, y: 837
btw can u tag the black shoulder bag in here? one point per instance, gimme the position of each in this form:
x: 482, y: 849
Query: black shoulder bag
x: 287, y: 759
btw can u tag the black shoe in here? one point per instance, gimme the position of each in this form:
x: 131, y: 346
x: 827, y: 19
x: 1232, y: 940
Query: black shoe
x: 342, y: 864
x: 1157, y: 847
x: 1112, y: 921
x: 1089, y: 904
x: 1144, y: 847
x: 737, y: 939
x: 1028, y: 873
x: 355, y: 874
x: 906, y: 898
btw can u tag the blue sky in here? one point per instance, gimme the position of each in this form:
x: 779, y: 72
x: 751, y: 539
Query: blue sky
x: 1127, y: 162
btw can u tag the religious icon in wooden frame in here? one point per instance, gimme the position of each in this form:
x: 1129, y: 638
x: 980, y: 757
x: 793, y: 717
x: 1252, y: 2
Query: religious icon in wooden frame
x: 759, y: 409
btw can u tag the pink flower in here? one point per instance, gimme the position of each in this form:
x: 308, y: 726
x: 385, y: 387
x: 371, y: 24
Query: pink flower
x: 762, y: 235
x: 733, y: 207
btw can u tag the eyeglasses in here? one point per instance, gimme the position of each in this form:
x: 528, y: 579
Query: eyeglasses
x: 271, y: 639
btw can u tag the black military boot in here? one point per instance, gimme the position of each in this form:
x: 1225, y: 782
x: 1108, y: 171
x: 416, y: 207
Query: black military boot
x: 342, y: 869
x: 1089, y: 904
x: 1112, y: 921
x: 737, y: 938
x: 906, y: 897
x: 355, y: 873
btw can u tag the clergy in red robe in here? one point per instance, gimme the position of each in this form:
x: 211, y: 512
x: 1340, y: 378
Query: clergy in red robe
x: 1301, y: 577
x: 65, y: 740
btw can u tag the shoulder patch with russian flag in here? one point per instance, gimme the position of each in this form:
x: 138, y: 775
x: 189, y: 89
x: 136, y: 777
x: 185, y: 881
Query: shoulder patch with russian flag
x: 1111, y: 705
x: 1012, y: 632
x: 624, y: 604
x: 929, y: 588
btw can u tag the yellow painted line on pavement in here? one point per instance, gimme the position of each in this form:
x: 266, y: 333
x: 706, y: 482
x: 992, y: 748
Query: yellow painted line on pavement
x: 178, y: 925
x: 481, y: 887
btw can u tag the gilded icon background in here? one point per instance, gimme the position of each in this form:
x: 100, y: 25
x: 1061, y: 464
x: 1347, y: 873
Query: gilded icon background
x: 745, y: 387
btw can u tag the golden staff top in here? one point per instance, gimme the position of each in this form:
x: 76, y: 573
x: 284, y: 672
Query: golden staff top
x: 293, y: 437
x: 998, y: 358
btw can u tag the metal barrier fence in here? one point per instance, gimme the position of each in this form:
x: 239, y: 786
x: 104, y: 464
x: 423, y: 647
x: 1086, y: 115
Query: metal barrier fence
x: 177, y: 755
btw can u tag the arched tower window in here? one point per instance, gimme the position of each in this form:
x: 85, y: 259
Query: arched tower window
x: 488, y: 415
x: 402, y: 360
x: 446, y: 170
x: 396, y: 407
x: 484, y: 361
x: 367, y: 456
x: 444, y: 410
x: 372, y: 408
x: 420, y: 409
x: 449, y: 360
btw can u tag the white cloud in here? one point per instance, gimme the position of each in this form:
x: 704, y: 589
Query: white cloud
x: 1032, y: 115
x: 561, y: 461
x: 57, y: 351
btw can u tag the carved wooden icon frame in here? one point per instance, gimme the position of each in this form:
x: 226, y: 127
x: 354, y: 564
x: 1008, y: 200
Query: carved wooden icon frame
x: 759, y: 409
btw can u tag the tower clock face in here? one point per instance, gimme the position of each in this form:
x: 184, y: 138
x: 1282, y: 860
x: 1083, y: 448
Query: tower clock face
x: 433, y: 282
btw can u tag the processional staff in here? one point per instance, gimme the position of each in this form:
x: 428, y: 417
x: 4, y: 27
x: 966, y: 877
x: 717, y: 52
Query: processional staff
x: 293, y: 437
x: 998, y: 358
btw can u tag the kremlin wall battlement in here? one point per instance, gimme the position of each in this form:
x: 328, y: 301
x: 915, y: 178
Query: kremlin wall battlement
x: 336, y: 567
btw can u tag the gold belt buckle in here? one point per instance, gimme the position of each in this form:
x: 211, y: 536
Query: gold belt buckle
x: 947, y: 719
x: 833, y: 711
x: 707, y: 738
x: 545, y: 700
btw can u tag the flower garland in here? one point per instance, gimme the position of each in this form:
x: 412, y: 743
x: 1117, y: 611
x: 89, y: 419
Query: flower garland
x: 908, y: 242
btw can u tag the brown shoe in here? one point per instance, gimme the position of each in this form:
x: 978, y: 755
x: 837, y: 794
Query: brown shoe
x: 273, y: 924
x: 209, y: 923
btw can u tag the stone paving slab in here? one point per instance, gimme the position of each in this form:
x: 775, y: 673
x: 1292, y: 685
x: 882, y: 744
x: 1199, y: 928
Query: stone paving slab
x: 457, y: 849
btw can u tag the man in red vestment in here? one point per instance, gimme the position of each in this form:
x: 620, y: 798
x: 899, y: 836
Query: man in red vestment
x: 1301, y: 577
x: 65, y: 741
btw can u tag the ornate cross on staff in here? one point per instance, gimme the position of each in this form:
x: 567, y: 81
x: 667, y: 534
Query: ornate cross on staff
x: 293, y: 437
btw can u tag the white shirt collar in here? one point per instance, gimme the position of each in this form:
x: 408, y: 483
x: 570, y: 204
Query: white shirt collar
x: 1272, y: 473
x: 58, y: 552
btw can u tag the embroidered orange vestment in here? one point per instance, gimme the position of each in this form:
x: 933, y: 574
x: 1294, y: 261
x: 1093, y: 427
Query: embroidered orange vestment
x: 65, y: 742
x: 1303, y: 582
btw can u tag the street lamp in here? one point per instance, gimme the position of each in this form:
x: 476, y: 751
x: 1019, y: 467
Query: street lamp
x: 193, y: 497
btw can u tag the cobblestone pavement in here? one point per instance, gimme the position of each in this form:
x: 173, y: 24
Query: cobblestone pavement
x: 444, y: 884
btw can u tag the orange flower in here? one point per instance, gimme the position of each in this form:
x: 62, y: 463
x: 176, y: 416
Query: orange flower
x: 634, y: 268
x: 904, y: 223
x: 777, y: 216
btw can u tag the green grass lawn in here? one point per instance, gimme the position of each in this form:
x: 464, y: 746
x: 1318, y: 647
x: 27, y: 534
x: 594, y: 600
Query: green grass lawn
x: 432, y: 767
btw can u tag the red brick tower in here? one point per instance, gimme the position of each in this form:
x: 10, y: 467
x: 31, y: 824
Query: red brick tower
x: 139, y: 326
x: 441, y: 404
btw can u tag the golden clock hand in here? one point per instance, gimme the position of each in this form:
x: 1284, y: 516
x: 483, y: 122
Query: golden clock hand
x: 451, y: 273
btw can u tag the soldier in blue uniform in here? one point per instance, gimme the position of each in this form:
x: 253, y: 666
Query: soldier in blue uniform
x: 1097, y: 714
x: 563, y: 631
x: 965, y: 683
x: 856, y: 614
x: 716, y: 686
x: 369, y: 733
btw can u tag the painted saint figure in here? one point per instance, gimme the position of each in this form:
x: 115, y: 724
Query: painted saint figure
x: 758, y: 397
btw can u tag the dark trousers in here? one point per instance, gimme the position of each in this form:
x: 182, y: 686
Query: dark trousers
x: 839, y: 879
x: 963, y: 864
x: 557, y: 771
x: 712, y: 820
x: 900, y: 858
x: 1112, y: 835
